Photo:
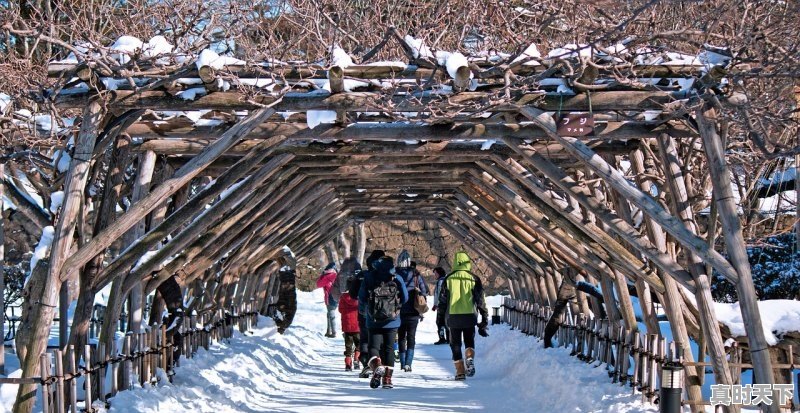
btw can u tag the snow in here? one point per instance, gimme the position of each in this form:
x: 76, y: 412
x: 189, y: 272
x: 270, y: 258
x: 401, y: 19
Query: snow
x: 210, y: 58
x: 341, y: 58
x: 488, y: 144
x: 143, y: 259
x: 571, y: 50
x: 530, y: 52
x: 5, y: 102
x: 302, y: 371
x: 156, y: 46
x: 43, y: 247
x: 418, y: 47
x: 56, y: 199
x: 454, y: 62
x: 126, y: 46
x: 7, y: 204
x: 777, y: 316
x: 192, y: 94
x: 315, y: 117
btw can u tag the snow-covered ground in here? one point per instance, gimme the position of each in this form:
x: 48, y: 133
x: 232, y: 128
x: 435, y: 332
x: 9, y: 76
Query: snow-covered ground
x: 302, y: 371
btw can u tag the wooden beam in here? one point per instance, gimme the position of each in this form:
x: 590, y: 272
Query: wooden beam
x: 378, y: 102
x: 617, y: 180
x: 182, y: 176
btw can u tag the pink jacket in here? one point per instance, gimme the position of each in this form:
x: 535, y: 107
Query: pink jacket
x: 325, y: 281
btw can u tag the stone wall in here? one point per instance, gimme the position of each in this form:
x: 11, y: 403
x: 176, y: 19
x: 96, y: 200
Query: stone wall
x: 429, y: 245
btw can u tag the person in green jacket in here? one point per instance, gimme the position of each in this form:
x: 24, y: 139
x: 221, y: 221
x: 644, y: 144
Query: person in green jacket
x: 460, y: 298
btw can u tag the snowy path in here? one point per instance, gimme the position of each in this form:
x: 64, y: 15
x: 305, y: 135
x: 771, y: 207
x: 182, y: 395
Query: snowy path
x: 302, y: 371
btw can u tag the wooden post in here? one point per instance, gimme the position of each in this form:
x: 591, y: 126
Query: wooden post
x: 144, y: 176
x: 44, y: 285
x: 735, y: 246
x: 73, y: 383
x: 44, y: 371
x: 682, y: 208
x: 112, y: 186
x: 361, y: 241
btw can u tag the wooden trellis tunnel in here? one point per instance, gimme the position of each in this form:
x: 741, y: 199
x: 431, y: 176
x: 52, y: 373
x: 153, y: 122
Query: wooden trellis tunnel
x: 548, y: 206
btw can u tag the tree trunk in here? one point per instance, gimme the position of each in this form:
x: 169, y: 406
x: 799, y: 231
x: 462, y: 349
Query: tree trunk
x: 566, y: 292
x: 43, y: 286
x: 105, y: 215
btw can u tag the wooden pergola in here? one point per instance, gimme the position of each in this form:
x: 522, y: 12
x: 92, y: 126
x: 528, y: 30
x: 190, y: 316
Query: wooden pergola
x: 543, y: 185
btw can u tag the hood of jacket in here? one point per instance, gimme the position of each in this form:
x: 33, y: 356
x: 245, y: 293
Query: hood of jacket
x: 404, y: 259
x: 461, y: 262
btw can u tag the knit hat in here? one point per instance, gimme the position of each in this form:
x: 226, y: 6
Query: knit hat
x: 375, y: 255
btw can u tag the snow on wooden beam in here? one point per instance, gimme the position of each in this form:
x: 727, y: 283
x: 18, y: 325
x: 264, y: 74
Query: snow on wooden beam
x: 377, y: 102
x: 387, y: 131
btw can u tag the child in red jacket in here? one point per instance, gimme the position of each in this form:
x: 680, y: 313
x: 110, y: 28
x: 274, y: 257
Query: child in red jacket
x: 348, y: 307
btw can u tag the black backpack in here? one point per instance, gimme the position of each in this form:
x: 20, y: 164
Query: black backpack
x: 384, y: 301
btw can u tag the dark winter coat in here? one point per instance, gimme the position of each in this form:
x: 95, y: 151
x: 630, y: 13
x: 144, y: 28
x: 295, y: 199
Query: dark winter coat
x: 461, y: 296
x: 348, y: 307
x: 325, y: 281
x: 412, y: 279
x: 287, y: 299
x: 371, y: 280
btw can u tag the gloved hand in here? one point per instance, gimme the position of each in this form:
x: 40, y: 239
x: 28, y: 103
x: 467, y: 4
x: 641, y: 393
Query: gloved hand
x: 483, y: 331
x: 434, y: 308
x: 421, y: 317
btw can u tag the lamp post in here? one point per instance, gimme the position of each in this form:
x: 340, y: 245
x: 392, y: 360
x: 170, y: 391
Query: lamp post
x: 671, y: 385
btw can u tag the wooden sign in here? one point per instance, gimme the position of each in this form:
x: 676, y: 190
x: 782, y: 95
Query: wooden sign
x: 575, y: 124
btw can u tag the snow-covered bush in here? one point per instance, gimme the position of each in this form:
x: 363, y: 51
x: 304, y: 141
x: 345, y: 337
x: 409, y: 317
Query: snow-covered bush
x: 776, y: 271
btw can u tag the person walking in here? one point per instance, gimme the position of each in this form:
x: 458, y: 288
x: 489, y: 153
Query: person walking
x: 325, y: 281
x: 461, y: 295
x: 348, y: 307
x: 409, y: 315
x: 441, y: 328
x: 355, y: 287
x: 383, y: 294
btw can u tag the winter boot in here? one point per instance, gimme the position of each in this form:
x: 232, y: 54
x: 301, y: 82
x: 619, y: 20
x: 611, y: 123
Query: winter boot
x: 356, y: 358
x: 402, y: 360
x: 348, y: 364
x: 442, y: 338
x: 470, y: 363
x: 387, y: 378
x: 409, y: 359
x: 364, y: 372
x: 377, y: 372
x: 460, y: 370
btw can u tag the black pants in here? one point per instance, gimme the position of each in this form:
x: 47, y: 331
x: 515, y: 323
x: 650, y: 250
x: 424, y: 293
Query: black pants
x: 407, y: 333
x: 442, y: 330
x: 381, y: 344
x: 351, y: 344
x: 456, y: 335
x: 363, y: 344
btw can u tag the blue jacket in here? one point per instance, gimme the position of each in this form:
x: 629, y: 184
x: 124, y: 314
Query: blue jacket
x: 407, y: 275
x: 371, y: 278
